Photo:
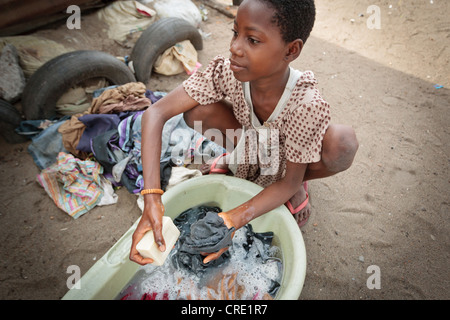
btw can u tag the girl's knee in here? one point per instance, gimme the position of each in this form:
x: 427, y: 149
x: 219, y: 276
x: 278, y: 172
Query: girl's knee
x: 349, y: 142
x: 340, y: 148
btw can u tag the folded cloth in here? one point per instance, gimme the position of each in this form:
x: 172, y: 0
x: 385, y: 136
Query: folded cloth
x: 73, y: 184
x: 127, y: 97
x: 180, y: 174
x: 209, y: 234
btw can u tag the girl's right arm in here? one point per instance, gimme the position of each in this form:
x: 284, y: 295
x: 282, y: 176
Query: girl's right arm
x: 153, y: 120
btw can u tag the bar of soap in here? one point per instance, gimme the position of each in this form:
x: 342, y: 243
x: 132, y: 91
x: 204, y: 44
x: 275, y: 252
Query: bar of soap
x: 148, y: 248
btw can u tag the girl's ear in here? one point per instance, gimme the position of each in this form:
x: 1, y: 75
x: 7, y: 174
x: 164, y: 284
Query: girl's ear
x: 294, y: 49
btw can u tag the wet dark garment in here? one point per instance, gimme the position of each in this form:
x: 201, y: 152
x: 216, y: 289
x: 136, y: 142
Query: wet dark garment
x: 191, y: 260
x: 208, y: 234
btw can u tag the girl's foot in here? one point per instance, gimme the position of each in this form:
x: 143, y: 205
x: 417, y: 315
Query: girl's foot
x: 217, y: 165
x: 299, y: 205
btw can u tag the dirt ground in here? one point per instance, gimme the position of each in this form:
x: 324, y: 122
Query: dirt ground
x: 389, y: 210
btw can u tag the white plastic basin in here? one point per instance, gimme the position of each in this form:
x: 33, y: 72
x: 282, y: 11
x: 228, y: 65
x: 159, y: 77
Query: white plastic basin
x: 113, y: 271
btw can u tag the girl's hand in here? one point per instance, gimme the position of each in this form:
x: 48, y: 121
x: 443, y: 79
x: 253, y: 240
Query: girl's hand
x: 151, y: 220
x: 229, y: 224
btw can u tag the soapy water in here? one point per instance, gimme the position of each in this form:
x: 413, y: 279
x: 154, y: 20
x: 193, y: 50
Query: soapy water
x: 252, y: 272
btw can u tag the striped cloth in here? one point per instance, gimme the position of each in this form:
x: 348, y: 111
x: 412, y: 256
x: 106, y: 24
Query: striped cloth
x: 73, y: 184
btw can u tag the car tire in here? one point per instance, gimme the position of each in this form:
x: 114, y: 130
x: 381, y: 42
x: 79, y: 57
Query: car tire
x: 157, y: 38
x: 59, y: 74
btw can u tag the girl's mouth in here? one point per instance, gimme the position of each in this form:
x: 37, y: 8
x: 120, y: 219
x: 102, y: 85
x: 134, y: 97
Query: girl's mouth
x: 235, y: 67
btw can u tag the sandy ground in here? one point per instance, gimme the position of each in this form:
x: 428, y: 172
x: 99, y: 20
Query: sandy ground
x: 389, y: 210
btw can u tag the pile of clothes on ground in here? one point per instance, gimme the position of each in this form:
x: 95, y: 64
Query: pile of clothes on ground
x: 83, y: 156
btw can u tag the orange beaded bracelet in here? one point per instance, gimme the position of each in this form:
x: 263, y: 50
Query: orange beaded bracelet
x: 147, y: 191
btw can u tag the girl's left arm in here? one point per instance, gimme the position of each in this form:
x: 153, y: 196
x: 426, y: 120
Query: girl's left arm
x: 268, y: 199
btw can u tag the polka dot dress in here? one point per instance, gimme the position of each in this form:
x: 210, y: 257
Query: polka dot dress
x: 295, y: 135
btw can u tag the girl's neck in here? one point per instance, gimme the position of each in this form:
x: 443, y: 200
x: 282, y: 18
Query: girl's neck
x: 265, y: 94
x: 268, y: 88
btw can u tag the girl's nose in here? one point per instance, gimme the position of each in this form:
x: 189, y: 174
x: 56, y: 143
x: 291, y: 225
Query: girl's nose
x: 235, y: 47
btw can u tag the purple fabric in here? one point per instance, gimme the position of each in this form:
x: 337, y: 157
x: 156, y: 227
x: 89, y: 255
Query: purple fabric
x: 96, y: 124
x: 153, y: 96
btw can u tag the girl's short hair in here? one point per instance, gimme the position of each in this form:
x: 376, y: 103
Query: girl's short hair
x: 295, y: 18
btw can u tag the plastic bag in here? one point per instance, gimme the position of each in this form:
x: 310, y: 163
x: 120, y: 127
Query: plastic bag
x: 34, y: 51
x: 79, y: 99
x: 126, y: 17
x: 184, y: 9
x: 181, y: 57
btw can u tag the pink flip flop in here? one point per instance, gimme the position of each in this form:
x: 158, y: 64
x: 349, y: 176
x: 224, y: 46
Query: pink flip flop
x: 213, y: 165
x: 301, y: 206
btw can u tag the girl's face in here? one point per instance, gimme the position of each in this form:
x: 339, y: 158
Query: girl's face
x: 257, y: 48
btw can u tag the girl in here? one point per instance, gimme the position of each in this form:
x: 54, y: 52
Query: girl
x: 269, y: 104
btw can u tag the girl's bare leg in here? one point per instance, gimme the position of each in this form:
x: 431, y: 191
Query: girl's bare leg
x: 339, y: 147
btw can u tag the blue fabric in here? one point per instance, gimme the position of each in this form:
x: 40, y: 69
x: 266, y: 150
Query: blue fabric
x: 46, y: 146
x: 98, y: 92
x: 31, y: 128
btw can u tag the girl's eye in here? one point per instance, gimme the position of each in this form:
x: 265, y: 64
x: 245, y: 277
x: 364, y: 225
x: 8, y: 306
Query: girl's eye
x: 251, y: 40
